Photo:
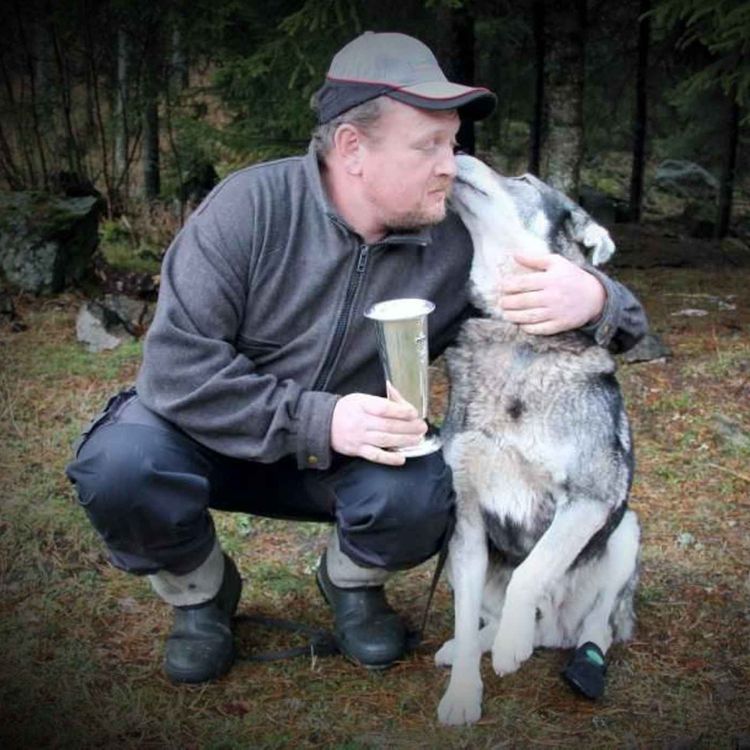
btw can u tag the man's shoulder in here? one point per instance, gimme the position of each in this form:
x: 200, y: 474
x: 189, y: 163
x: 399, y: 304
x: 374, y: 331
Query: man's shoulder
x: 268, y: 169
x: 244, y: 182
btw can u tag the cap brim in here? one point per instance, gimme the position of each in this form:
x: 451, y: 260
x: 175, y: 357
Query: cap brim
x: 474, y: 103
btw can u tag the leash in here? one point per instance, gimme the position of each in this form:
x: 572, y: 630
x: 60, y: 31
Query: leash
x: 323, y: 642
x: 442, y: 557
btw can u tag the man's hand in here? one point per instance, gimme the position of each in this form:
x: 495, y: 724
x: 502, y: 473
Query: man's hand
x: 363, y: 425
x: 557, y: 295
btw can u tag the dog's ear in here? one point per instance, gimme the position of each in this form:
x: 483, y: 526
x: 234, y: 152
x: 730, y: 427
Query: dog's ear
x: 593, y: 238
x: 574, y: 234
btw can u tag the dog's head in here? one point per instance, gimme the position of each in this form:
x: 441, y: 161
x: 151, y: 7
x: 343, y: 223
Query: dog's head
x: 511, y: 214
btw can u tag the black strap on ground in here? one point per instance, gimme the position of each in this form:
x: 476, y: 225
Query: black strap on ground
x: 323, y: 642
x: 442, y: 557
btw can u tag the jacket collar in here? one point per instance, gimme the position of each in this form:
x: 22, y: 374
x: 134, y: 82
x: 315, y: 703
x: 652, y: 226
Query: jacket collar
x: 312, y: 172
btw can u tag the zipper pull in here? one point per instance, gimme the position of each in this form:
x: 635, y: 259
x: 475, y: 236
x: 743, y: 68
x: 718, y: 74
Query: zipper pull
x: 362, y: 261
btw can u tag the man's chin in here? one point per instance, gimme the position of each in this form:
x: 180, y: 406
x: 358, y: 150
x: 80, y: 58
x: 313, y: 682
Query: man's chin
x: 417, y: 221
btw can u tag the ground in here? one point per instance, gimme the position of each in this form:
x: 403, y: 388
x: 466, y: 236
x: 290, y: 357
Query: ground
x: 82, y: 642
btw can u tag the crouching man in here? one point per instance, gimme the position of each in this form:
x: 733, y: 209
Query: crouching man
x: 260, y: 389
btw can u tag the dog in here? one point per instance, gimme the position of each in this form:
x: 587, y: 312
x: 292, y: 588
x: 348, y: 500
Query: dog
x: 545, y: 550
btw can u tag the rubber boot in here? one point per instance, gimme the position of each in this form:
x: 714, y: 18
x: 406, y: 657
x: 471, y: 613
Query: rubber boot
x: 200, y: 646
x: 367, y: 629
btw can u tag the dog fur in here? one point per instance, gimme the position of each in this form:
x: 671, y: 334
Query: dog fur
x: 545, y: 551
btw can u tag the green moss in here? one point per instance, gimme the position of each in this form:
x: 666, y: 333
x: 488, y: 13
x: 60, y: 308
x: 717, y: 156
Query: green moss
x: 124, y: 256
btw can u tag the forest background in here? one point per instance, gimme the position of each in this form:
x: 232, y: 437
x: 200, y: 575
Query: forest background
x: 145, y: 106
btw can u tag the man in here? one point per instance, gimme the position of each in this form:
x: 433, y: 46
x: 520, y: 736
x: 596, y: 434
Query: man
x: 260, y: 389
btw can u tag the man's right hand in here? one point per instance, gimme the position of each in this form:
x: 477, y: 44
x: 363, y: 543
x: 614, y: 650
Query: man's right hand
x: 364, y: 425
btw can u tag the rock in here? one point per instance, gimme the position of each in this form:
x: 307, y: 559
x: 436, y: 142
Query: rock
x: 685, y: 539
x: 91, y: 330
x: 134, y: 315
x: 690, y: 312
x: 105, y: 323
x: 46, y: 242
x: 649, y: 348
x: 699, y: 219
x: 685, y: 179
x: 72, y: 185
x: 731, y: 431
x: 606, y: 209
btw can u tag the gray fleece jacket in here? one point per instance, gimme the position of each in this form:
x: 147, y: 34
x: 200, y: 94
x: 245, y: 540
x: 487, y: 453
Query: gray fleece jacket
x: 259, y: 326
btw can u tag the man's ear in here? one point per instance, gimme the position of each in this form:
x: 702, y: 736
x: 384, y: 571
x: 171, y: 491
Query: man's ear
x: 347, y: 142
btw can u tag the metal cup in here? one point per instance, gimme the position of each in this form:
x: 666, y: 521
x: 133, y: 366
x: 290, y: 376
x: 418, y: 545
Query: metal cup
x: 401, y: 330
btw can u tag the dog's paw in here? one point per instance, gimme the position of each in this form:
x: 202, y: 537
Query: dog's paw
x: 508, y: 654
x: 461, y: 704
x: 444, y: 655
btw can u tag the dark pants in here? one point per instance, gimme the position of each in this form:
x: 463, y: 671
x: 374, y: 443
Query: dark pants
x: 147, y: 487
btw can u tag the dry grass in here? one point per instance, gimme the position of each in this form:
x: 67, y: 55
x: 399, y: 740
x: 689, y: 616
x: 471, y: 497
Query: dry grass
x: 80, y: 662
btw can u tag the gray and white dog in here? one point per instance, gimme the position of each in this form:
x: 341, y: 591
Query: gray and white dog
x: 545, y: 550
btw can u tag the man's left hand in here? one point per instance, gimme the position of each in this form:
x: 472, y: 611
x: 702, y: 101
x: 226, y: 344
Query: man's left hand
x: 555, y: 295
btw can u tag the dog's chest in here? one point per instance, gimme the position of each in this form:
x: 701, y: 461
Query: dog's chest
x: 514, y: 537
x: 510, y: 400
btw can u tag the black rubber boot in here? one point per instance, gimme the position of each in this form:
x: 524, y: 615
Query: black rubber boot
x: 367, y: 629
x: 586, y: 670
x: 200, y: 646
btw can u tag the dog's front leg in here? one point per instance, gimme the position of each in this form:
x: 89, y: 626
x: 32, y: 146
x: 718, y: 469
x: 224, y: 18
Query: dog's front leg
x: 573, y: 525
x: 462, y: 702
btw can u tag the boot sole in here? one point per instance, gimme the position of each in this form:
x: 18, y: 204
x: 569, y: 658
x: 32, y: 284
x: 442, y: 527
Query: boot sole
x: 191, y: 678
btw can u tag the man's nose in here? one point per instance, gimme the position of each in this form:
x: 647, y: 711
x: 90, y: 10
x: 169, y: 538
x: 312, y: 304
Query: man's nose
x: 446, y: 166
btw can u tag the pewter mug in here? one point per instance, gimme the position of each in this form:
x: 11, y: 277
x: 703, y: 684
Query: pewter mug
x: 401, y: 331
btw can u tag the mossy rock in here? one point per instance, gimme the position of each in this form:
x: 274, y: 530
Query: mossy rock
x: 46, y: 242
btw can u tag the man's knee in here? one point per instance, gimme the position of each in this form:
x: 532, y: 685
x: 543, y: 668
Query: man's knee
x: 147, y: 498
x: 395, y: 517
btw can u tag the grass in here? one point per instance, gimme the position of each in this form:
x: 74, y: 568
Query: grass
x: 82, y: 642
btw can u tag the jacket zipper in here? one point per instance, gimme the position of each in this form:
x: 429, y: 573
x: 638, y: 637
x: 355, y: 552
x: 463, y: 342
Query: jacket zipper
x: 341, y: 324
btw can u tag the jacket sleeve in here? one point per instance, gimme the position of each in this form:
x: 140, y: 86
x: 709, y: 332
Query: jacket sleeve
x: 193, y: 375
x: 623, y: 322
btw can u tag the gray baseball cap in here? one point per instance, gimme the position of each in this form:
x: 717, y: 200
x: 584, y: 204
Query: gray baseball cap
x: 400, y: 67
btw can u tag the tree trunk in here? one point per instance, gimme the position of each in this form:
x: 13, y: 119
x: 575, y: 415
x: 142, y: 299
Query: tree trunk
x: 457, y: 61
x: 151, y: 173
x: 95, y: 102
x: 150, y: 148
x: 180, y: 74
x: 726, y: 186
x: 121, y: 114
x: 641, y: 113
x: 36, y: 126
x: 8, y: 168
x: 72, y: 150
x: 537, y: 124
x: 14, y: 155
x: 562, y: 147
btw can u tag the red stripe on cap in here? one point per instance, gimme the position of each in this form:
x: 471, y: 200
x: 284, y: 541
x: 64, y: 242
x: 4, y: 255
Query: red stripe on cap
x: 470, y: 89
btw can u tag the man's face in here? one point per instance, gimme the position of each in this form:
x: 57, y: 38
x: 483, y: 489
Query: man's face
x: 408, y: 166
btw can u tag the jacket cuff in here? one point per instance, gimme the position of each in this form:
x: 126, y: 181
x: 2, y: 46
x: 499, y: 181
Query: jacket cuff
x: 314, y: 433
x: 604, y: 328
